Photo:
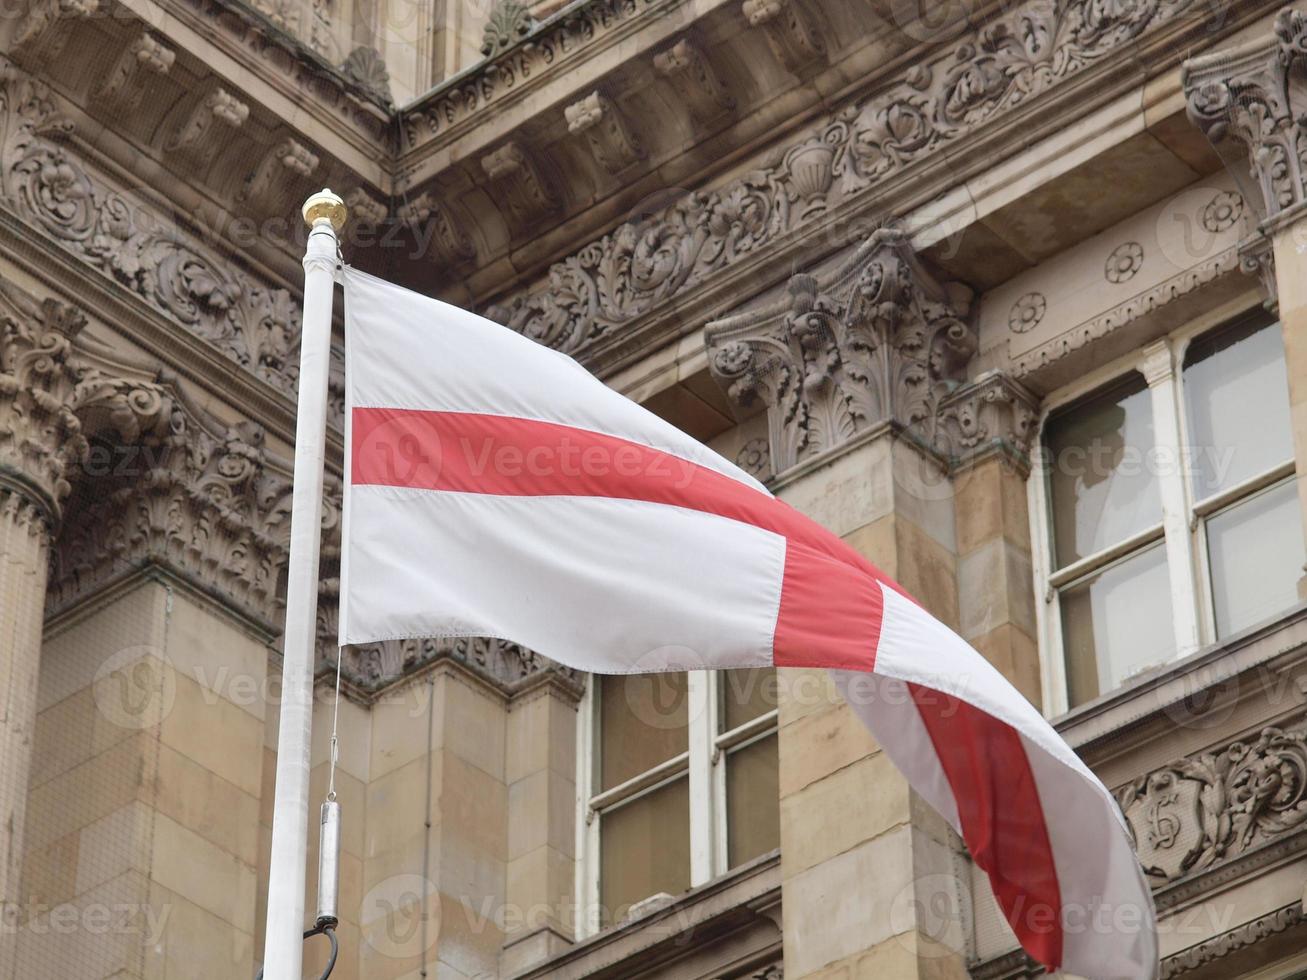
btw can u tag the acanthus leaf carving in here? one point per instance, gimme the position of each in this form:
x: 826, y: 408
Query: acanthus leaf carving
x: 44, y: 184
x: 878, y: 339
x: 366, y: 68
x: 1256, y: 95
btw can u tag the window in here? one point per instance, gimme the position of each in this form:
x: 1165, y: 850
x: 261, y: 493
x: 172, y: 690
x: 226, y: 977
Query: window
x: 1166, y: 506
x: 678, y: 778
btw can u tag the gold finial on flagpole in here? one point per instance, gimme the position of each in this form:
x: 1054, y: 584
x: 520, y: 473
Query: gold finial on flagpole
x: 325, y: 204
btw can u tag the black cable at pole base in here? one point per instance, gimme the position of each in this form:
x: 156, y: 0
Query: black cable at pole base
x: 321, y: 929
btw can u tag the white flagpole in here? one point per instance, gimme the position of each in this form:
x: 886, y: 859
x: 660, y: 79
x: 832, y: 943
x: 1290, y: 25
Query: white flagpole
x: 283, y: 954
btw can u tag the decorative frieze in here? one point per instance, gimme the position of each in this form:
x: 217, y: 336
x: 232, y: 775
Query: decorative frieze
x: 435, y: 223
x: 459, y: 101
x: 697, y: 85
x: 611, y: 139
x: 123, y: 87
x: 520, y: 185
x: 114, y: 232
x: 283, y: 177
x: 984, y: 76
x: 1256, y: 95
x: 878, y: 339
x: 791, y: 31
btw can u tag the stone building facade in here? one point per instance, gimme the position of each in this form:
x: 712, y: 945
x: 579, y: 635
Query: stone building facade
x: 1011, y: 294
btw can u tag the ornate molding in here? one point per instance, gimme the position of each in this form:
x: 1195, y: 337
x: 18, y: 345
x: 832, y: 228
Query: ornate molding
x: 130, y: 243
x: 1215, y: 806
x: 521, y: 186
x: 791, y: 31
x: 1125, y: 313
x: 878, y: 339
x: 1256, y: 95
x: 698, y: 87
x: 609, y: 134
x: 124, y: 86
x: 985, y: 76
x: 1248, y: 934
x: 460, y: 100
x: 994, y: 412
x: 509, y: 22
x: 367, y: 69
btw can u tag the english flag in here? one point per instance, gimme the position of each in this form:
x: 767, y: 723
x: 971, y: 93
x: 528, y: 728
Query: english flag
x: 496, y: 488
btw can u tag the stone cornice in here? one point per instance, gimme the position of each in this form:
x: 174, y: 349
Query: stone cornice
x: 993, y: 92
x: 117, y: 235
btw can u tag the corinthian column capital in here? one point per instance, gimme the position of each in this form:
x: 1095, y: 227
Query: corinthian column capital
x: 41, y: 437
x: 877, y: 340
x: 1252, y: 99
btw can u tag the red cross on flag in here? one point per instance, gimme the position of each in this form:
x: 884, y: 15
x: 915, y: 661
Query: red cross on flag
x: 496, y: 488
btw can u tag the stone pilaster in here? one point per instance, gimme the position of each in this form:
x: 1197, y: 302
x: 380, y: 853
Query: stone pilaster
x: 1251, y: 101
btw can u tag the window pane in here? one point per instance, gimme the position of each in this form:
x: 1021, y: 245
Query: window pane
x: 642, y: 722
x: 644, y: 849
x: 1102, y: 490
x: 747, y: 693
x: 1237, y: 400
x: 1256, y: 550
x: 1116, y: 624
x: 753, y: 813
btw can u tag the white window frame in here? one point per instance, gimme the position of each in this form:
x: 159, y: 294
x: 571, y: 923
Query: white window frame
x: 1183, y: 527
x: 705, y: 762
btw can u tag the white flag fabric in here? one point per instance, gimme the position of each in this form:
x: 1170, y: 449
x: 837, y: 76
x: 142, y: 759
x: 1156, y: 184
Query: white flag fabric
x: 496, y: 488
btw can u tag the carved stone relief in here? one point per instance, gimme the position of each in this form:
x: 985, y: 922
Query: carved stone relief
x: 520, y: 184
x: 791, y: 31
x: 281, y: 180
x: 607, y: 131
x: 509, y: 22
x: 1208, y: 808
x: 123, y: 87
x: 1256, y: 95
x: 434, y: 219
x: 688, y: 69
x: 639, y: 265
x: 46, y: 28
x: 207, y: 127
x: 878, y: 339
x: 112, y: 231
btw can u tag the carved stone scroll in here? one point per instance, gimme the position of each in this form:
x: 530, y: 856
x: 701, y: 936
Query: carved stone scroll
x: 610, y: 137
x: 283, y: 177
x: 688, y: 70
x: 521, y: 185
x: 123, y: 87
x: 791, y: 31
x: 206, y: 127
x: 46, y: 29
x: 435, y: 224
